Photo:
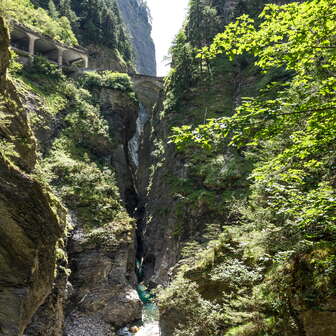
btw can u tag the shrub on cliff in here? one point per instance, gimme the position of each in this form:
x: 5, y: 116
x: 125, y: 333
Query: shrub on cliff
x: 107, y: 79
x: 38, y: 19
x: 288, y: 130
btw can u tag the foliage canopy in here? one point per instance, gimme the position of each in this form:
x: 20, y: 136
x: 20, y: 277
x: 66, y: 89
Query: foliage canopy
x: 288, y: 132
x: 39, y: 20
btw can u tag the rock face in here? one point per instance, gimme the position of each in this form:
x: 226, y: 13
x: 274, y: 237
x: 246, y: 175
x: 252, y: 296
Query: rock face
x: 149, y: 92
x: 101, y: 294
x: 103, y: 58
x: 136, y: 17
x: 30, y: 228
x: 103, y: 286
x: 4, y: 52
x: 32, y: 220
x: 103, y: 276
x: 320, y: 322
x: 162, y: 244
x: 15, y: 127
x: 49, y: 319
x: 121, y: 113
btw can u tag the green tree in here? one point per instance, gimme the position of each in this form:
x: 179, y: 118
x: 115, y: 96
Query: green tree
x: 39, y: 20
x: 288, y: 133
x: 52, y: 10
x: 289, y: 128
x: 100, y: 23
x: 66, y: 10
x: 283, y: 40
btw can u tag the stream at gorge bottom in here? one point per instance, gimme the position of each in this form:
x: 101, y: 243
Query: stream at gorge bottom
x: 150, y: 314
x: 150, y: 317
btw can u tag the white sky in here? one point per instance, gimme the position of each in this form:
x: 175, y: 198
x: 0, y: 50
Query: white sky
x: 168, y: 16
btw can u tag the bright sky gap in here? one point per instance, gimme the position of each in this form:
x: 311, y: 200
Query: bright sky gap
x: 168, y: 17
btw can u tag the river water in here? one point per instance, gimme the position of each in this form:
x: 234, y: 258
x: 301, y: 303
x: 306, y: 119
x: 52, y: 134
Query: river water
x: 150, y: 316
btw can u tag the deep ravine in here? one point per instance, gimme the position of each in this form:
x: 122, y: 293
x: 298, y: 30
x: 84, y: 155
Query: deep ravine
x: 213, y: 189
x: 148, y: 94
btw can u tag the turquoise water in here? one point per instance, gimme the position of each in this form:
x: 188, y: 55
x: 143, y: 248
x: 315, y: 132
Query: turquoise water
x: 150, y: 311
x: 144, y: 294
x: 150, y: 315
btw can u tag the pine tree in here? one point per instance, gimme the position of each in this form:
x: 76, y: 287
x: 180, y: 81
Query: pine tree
x: 66, y: 10
x: 52, y: 10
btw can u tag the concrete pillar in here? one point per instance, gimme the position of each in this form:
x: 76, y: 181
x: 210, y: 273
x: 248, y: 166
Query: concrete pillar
x: 32, y: 39
x: 60, y: 56
x: 86, y: 61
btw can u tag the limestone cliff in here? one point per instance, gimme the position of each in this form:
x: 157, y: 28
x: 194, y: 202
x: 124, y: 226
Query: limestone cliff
x: 32, y: 219
x: 85, y: 157
x: 178, y: 210
x: 222, y: 277
x: 74, y: 134
x: 136, y: 17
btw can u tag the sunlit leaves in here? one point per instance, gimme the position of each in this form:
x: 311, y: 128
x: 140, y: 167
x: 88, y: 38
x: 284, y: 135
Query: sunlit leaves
x: 296, y: 36
x: 38, y: 19
x: 291, y: 125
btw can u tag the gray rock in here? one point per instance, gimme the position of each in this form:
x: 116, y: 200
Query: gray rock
x: 31, y: 219
x: 79, y: 324
x: 136, y: 17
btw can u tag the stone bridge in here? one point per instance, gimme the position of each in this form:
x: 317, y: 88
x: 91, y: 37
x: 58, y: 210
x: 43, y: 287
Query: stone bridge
x: 26, y: 42
x: 147, y: 88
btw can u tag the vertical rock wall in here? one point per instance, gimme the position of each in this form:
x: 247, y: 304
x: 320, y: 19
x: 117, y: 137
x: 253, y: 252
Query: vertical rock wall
x: 32, y: 221
x: 36, y: 297
x: 136, y: 17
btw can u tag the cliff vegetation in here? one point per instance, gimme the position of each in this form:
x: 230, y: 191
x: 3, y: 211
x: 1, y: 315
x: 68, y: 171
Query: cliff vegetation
x: 218, y: 191
x: 97, y: 25
x: 38, y: 19
x: 266, y: 168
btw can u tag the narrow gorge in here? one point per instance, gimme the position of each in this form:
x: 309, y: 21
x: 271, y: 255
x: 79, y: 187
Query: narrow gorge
x: 201, y: 203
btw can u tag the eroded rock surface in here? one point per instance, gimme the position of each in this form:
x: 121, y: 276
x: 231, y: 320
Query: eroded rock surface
x: 103, y: 281
x: 31, y: 218
x: 137, y: 20
x: 30, y: 228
